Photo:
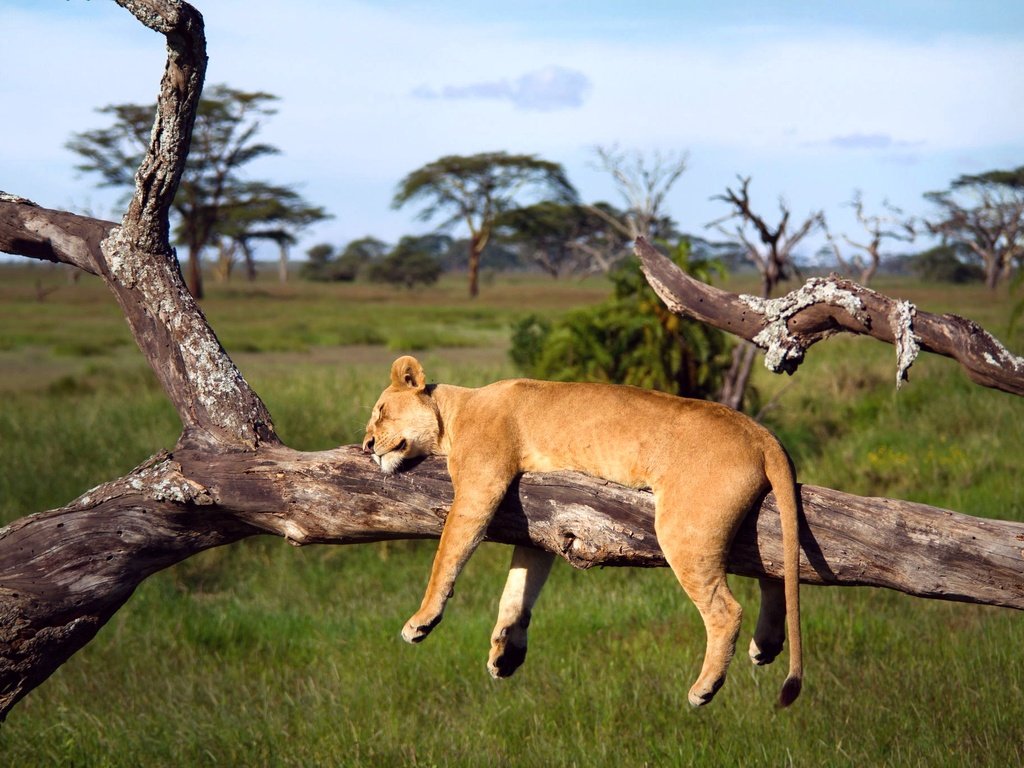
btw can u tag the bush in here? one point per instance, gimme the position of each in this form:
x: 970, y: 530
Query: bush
x: 629, y: 339
x: 409, y: 264
x: 943, y: 264
x: 324, y: 265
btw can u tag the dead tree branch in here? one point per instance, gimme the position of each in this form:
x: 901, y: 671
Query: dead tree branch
x: 773, y: 257
x: 879, y: 227
x: 785, y: 328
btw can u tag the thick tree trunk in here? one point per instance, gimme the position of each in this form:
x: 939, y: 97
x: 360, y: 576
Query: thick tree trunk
x: 993, y: 271
x: 476, y: 247
x: 282, y: 263
x: 195, y: 274
x: 734, y: 385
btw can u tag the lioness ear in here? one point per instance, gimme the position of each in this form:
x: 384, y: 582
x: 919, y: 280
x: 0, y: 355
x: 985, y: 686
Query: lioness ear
x: 407, y: 372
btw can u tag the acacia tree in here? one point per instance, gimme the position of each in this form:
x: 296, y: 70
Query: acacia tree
x: 474, y: 190
x: 267, y: 212
x: 65, y: 572
x: 984, y: 212
x: 879, y: 227
x: 212, y: 199
x: 560, y: 237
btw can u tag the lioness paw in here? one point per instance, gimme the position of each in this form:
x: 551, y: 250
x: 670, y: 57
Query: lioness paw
x: 505, y: 663
x: 701, y: 693
x: 765, y: 653
x: 414, y: 631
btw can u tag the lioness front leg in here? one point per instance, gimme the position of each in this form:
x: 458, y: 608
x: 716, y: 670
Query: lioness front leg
x: 464, y: 529
x: 526, y: 576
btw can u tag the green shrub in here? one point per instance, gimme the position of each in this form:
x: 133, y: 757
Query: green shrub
x: 629, y: 339
x: 409, y: 264
x: 945, y: 264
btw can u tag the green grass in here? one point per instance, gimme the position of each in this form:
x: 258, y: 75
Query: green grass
x: 263, y: 654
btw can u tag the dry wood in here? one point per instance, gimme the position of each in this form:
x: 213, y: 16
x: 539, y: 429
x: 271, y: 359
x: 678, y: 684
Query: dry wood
x: 785, y: 328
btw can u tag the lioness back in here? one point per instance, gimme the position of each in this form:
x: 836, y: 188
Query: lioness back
x: 624, y: 434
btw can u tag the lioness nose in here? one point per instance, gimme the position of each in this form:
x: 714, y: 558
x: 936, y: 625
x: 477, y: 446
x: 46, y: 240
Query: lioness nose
x: 368, y: 445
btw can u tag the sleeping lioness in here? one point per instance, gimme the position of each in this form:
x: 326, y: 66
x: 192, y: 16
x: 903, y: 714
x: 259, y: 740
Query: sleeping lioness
x: 706, y: 464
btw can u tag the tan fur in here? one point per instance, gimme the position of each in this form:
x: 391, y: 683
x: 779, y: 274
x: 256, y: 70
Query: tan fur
x: 706, y: 464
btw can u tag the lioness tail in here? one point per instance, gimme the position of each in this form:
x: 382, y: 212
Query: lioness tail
x: 783, y: 481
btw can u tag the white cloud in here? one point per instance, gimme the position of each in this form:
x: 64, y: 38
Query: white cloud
x: 542, y: 90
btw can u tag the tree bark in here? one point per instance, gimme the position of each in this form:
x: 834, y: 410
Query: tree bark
x: 63, y: 573
x: 785, y: 328
x: 476, y: 247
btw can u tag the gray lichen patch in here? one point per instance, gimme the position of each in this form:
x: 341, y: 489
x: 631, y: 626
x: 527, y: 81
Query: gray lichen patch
x: 1003, y: 358
x: 907, y: 343
x: 165, y: 482
x: 783, y: 351
x: 7, y: 197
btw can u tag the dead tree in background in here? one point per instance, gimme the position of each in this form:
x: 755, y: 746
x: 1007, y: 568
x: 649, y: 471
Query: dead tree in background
x: 642, y: 183
x: 878, y: 227
x: 771, y: 255
x: 65, y: 572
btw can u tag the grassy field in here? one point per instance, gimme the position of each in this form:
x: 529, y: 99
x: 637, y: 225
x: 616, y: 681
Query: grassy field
x: 261, y: 654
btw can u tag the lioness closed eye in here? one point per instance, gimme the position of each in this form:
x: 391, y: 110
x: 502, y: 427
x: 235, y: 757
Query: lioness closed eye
x: 706, y: 464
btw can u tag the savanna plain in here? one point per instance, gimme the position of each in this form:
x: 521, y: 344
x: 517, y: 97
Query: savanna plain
x: 263, y: 654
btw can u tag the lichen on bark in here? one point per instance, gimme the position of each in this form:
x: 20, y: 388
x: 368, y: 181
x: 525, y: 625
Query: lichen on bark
x: 783, y: 350
x: 907, y: 343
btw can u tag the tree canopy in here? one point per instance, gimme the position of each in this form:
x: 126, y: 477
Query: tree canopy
x: 475, y: 189
x: 985, y: 213
x: 558, y: 236
x: 213, y: 200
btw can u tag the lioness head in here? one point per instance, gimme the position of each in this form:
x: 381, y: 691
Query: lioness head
x: 404, y: 422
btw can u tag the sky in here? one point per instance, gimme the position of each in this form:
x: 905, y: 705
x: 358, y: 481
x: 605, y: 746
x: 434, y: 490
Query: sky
x: 811, y: 100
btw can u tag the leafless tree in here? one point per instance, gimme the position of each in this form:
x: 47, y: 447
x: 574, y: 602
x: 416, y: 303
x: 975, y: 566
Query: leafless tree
x: 771, y: 254
x: 642, y: 182
x: 65, y: 572
x: 773, y: 250
x: 879, y: 227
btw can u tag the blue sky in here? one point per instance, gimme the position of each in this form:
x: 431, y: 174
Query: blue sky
x: 813, y: 100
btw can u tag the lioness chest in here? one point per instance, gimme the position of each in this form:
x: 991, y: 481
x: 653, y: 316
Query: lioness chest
x: 623, y: 434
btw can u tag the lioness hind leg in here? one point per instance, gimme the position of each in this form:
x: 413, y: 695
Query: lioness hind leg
x: 526, y: 576
x: 770, y: 633
x: 697, y: 557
